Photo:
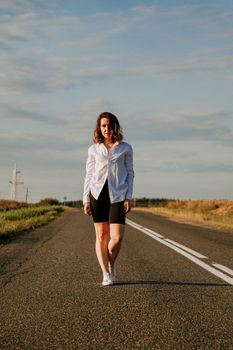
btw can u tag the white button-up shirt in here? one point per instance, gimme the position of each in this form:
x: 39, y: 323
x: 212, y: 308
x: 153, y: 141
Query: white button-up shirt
x: 115, y: 165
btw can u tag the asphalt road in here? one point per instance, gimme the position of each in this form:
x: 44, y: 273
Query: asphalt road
x: 52, y: 298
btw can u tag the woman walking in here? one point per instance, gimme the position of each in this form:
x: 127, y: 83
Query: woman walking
x: 108, y: 188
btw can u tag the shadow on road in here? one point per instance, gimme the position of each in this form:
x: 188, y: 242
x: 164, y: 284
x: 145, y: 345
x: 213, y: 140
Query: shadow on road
x: 178, y: 283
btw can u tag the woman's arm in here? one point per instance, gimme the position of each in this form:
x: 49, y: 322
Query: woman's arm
x: 87, y: 208
x: 127, y: 205
x: 130, y: 173
x: 90, y: 168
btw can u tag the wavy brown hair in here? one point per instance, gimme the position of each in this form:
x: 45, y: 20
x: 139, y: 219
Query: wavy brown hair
x: 114, y: 125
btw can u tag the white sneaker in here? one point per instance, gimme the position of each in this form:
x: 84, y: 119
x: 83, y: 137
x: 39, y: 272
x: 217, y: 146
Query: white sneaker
x: 107, y: 280
x: 113, y: 273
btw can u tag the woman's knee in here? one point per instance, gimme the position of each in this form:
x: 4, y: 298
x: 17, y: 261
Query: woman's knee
x: 117, y: 239
x: 117, y: 233
x: 102, y: 231
x: 102, y: 235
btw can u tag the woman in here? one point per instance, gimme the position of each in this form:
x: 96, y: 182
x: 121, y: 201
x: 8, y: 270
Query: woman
x: 108, y: 188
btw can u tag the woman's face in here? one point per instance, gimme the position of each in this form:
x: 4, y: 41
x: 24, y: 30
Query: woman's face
x: 105, y: 129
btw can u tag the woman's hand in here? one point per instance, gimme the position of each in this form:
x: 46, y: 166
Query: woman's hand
x: 87, y: 208
x: 127, y: 205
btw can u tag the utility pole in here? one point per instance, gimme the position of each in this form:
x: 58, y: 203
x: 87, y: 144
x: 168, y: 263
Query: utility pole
x: 14, y: 183
x: 27, y: 194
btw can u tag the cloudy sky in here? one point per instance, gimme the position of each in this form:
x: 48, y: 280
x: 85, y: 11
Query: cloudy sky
x: 165, y: 68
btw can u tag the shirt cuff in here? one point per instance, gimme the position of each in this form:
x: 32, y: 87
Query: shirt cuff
x: 86, y: 199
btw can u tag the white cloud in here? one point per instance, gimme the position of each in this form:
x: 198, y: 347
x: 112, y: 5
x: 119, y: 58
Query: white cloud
x: 22, y: 74
x: 21, y: 114
x: 34, y: 59
x: 29, y: 5
x: 209, y: 19
x: 165, y: 127
x: 73, y: 29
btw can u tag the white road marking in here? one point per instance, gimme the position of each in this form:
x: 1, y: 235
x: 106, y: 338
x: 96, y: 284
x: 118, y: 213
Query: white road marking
x: 198, y: 262
x: 134, y: 224
x: 224, y: 268
x: 191, y: 251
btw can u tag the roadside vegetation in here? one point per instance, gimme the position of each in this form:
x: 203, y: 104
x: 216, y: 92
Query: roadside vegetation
x: 211, y: 213
x: 19, y: 216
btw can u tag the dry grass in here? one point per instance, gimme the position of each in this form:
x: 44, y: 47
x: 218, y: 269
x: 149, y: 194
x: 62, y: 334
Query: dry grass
x: 17, y: 220
x: 6, y: 205
x: 217, y: 214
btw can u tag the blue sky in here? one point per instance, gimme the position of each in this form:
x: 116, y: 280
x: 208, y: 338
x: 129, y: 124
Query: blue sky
x: 165, y: 68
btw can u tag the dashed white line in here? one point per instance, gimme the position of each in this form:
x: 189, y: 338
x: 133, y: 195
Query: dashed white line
x: 194, y: 259
x: 224, y: 268
x: 191, y: 251
x: 134, y: 224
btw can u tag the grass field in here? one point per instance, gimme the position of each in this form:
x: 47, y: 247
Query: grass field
x: 210, y: 213
x: 13, y: 221
x: 19, y: 216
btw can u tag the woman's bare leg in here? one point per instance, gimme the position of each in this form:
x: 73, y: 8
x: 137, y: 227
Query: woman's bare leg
x: 114, y: 245
x: 101, y: 246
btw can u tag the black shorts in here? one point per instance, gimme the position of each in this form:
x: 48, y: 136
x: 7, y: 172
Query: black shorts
x: 102, y: 210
